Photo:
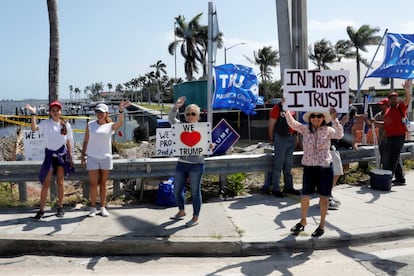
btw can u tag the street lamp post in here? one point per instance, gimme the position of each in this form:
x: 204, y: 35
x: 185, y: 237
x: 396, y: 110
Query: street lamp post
x: 228, y: 48
x: 175, y: 54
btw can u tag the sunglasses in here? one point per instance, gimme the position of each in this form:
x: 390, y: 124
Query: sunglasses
x: 190, y: 114
x: 319, y: 116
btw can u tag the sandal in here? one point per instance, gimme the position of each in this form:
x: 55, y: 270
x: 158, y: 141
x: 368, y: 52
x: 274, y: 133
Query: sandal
x: 191, y: 223
x: 177, y: 217
x: 318, y: 232
x: 297, y: 228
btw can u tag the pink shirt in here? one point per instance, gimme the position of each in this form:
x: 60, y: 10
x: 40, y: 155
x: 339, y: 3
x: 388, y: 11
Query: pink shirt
x: 316, y: 146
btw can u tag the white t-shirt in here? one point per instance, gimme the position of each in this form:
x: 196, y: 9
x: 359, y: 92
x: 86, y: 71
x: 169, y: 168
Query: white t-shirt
x: 100, y: 140
x: 51, y: 134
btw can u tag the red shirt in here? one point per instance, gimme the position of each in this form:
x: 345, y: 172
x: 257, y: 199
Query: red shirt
x: 393, y: 125
x: 275, y: 114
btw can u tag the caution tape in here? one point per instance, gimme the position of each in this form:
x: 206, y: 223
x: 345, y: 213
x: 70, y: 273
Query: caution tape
x: 13, y: 119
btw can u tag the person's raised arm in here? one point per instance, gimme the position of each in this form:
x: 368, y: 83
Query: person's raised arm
x: 120, y: 120
x: 407, y: 85
x: 33, y: 121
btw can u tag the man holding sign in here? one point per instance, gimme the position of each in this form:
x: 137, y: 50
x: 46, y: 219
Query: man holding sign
x: 191, y: 161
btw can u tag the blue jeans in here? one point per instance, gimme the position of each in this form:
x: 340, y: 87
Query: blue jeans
x: 284, y: 146
x: 182, y: 172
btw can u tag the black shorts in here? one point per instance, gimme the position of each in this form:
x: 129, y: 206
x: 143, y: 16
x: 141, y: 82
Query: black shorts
x: 317, y: 179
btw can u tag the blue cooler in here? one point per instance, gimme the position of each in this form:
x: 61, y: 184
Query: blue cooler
x: 381, y: 179
x: 162, y: 123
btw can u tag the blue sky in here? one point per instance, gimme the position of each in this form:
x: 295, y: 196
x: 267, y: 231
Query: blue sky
x: 114, y: 41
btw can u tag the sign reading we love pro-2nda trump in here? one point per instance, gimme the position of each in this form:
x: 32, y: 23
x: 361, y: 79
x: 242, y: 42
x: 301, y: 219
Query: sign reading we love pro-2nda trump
x: 191, y: 139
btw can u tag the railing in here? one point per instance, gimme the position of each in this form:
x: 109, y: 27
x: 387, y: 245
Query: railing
x: 142, y: 168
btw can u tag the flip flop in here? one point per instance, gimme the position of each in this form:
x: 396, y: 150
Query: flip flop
x: 177, y: 217
x: 297, y: 228
x: 191, y: 223
x: 318, y: 232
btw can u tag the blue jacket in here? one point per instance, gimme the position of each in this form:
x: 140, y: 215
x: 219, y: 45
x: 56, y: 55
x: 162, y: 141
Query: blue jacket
x: 48, y: 162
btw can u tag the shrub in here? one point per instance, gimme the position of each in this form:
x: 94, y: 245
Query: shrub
x: 235, y: 184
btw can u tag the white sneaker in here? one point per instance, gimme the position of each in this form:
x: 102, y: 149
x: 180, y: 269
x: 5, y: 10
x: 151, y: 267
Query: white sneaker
x: 92, y: 212
x: 104, y: 212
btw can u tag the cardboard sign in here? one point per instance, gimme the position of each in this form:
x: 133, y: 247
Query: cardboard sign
x: 34, y: 145
x: 191, y: 139
x: 164, y: 142
x: 224, y: 136
x: 314, y: 90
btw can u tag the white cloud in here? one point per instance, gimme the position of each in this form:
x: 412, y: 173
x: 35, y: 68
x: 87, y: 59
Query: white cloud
x: 332, y: 30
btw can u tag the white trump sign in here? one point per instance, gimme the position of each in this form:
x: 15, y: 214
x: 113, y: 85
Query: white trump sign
x: 164, y: 142
x: 191, y: 139
x: 314, y: 90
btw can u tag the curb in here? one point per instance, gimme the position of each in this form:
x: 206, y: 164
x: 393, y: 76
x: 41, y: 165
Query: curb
x: 159, y: 246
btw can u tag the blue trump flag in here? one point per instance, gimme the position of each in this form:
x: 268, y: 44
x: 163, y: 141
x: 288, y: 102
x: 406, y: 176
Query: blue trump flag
x: 236, y: 87
x: 399, y: 57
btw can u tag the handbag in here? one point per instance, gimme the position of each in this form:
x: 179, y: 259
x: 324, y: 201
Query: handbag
x: 165, y: 193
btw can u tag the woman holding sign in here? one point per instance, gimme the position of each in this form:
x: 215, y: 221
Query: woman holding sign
x: 316, y: 161
x: 191, y: 166
x: 58, y: 137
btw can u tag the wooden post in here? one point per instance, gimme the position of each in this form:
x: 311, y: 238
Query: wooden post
x: 85, y: 188
x: 53, y: 191
x: 116, y: 187
x: 22, y: 191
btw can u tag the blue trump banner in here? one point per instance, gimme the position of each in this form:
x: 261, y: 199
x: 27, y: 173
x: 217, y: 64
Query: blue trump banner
x: 236, y: 87
x: 399, y: 57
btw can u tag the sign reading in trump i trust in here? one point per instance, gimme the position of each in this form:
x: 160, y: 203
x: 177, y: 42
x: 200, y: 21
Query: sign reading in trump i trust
x: 314, y: 90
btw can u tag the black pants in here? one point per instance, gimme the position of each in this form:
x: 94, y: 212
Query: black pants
x: 394, y: 146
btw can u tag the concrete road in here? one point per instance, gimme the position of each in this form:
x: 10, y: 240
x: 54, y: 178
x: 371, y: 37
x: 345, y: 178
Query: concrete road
x: 387, y: 258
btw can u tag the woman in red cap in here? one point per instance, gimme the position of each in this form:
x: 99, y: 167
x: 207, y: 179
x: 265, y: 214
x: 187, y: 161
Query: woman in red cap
x: 58, y: 137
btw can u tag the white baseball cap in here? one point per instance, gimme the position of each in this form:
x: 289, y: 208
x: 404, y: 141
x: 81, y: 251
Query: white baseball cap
x: 102, y: 107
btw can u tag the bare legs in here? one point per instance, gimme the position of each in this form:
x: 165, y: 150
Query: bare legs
x: 98, y: 177
x: 323, y: 206
x: 46, y: 185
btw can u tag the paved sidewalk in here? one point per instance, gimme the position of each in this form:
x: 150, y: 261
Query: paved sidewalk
x: 253, y: 225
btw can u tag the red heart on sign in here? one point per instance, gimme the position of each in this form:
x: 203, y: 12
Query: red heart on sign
x: 190, y: 138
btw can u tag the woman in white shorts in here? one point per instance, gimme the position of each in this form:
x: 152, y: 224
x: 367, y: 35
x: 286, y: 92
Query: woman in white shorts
x: 97, y: 145
x: 338, y: 170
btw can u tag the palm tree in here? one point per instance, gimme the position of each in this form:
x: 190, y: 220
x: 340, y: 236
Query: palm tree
x: 159, y: 68
x: 343, y: 49
x: 77, y: 92
x: 53, y: 50
x: 265, y: 58
x: 360, y: 39
x: 85, y: 93
x: 202, y: 40
x: 188, y: 34
x: 71, y: 91
x: 322, y: 53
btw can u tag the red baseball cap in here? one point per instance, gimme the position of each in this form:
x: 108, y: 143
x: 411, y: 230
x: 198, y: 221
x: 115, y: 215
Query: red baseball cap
x: 392, y: 94
x: 383, y: 101
x: 55, y: 103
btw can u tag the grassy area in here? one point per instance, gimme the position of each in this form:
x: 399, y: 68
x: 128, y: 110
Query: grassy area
x: 155, y: 106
